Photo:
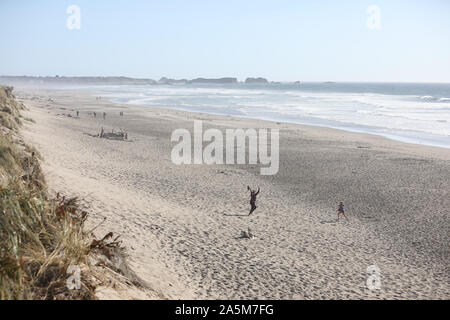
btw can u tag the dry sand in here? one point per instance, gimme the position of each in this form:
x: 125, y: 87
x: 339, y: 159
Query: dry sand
x: 181, y: 223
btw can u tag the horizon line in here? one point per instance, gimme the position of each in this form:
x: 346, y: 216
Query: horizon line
x: 221, y: 77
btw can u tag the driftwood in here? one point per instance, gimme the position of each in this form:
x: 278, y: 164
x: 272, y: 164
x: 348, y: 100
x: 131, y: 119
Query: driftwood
x: 121, y: 135
x: 247, y: 234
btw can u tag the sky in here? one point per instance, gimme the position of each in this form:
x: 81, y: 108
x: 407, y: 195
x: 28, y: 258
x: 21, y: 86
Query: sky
x: 282, y: 40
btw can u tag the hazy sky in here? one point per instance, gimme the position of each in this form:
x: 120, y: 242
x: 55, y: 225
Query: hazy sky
x: 281, y: 40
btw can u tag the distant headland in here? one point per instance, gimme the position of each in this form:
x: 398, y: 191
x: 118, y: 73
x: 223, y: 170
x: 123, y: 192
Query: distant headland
x: 63, y: 80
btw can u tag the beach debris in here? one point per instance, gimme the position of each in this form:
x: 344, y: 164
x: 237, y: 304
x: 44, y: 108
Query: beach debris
x: 247, y: 234
x: 106, y: 245
x: 69, y: 207
x: 112, y: 255
x: 122, y: 134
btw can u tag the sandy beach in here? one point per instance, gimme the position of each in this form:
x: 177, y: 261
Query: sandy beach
x: 181, y: 224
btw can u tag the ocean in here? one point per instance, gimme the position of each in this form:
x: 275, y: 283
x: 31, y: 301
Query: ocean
x: 408, y: 112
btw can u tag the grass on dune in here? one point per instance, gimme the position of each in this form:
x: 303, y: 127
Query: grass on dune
x: 39, y: 240
x: 39, y: 237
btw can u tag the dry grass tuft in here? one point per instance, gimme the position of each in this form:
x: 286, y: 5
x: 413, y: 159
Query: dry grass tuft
x: 40, y: 239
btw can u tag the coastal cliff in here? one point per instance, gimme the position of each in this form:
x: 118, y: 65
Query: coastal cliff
x: 215, y: 81
x: 256, y: 81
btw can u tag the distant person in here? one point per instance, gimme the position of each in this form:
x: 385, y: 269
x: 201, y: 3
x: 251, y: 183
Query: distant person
x: 95, y: 114
x: 341, y: 210
x: 78, y: 113
x: 253, y: 195
x: 104, y: 115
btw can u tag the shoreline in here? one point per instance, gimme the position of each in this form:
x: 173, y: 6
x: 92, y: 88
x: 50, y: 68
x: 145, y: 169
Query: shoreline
x: 390, y: 136
x: 182, y: 225
x: 335, y: 130
x: 349, y: 125
x: 428, y: 139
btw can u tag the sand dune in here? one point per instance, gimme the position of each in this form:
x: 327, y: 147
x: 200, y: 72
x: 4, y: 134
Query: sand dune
x: 181, y: 224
